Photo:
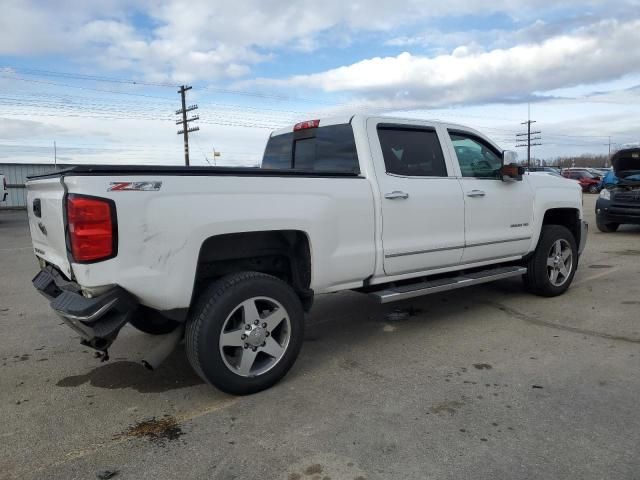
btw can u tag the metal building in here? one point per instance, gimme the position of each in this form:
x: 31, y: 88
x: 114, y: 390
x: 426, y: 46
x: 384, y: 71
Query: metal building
x: 16, y: 174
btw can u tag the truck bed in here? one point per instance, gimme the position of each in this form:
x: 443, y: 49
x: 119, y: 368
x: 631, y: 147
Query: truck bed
x: 168, y: 170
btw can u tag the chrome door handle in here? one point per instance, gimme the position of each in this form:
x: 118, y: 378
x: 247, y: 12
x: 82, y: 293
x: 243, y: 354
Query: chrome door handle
x: 476, y: 193
x: 396, y: 194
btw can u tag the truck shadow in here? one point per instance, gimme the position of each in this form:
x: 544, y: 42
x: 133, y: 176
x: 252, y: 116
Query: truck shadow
x: 173, y: 374
x: 337, y: 324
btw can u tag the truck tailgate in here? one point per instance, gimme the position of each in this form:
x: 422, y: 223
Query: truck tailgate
x: 45, y: 204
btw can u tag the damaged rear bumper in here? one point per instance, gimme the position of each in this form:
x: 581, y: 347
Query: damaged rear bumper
x: 97, y: 320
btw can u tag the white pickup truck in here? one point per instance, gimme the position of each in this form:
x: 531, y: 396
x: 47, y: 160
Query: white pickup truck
x: 231, y: 258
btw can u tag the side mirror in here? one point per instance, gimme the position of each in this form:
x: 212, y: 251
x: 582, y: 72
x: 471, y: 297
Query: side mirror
x: 511, y: 173
x: 509, y: 157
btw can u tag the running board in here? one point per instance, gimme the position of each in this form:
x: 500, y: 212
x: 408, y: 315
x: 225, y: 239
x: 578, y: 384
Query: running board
x: 403, y: 292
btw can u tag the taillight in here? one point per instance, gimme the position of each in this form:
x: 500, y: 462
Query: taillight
x: 306, y: 125
x: 92, y: 228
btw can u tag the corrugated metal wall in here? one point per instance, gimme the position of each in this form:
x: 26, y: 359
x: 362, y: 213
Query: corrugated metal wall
x: 16, y: 174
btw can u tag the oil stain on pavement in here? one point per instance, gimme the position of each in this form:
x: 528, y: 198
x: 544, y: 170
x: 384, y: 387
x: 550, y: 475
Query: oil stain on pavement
x: 159, y: 431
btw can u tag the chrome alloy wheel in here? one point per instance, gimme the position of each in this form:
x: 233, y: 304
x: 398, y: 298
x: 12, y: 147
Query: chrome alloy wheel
x: 255, y: 336
x: 559, y: 262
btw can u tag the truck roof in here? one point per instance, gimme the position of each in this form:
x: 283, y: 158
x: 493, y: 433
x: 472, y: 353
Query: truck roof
x: 341, y: 119
x: 324, y: 121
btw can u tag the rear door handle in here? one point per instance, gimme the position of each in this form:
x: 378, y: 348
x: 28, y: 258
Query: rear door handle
x: 476, y: 193
x: 395, y: 195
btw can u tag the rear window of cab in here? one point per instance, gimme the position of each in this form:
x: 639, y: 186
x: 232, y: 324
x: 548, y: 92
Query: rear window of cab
x: 323, y: 149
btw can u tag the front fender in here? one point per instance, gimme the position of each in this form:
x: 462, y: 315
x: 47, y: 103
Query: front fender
x: 547, y: 199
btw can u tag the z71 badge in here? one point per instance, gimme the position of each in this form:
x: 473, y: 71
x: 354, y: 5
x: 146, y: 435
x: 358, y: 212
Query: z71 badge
x: 134, y: 186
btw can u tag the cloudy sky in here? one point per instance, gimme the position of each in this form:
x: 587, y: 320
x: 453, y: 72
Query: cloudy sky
x: 99, y: 78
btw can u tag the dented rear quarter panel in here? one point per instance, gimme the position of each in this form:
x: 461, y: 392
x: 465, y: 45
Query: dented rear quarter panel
x: 160, y: 233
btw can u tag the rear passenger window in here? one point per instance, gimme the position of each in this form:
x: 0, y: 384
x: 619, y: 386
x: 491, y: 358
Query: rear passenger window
x: 413, y: 152
x: 328, y: 149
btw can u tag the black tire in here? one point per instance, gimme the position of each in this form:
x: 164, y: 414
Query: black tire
x: 607, y: 227
x: 537, y: 279
x: 151, y: 322
x: 207, y: 320
x: 594, y: 189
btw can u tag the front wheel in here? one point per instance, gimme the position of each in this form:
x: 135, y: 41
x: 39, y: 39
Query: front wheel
x: 245, y: 332
x: 552, y: 266
x: 594, y: 189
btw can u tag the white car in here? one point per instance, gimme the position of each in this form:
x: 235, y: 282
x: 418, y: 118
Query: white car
x: 231, y: 258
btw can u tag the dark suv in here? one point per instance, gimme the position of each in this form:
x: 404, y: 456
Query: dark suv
x: 619, y: 200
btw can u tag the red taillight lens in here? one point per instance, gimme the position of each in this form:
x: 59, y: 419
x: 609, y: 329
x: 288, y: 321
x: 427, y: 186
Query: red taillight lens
x: 91, y: 228
x: 306, y: 125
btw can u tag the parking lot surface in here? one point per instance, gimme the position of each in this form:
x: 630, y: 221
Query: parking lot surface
x: 486, y: 382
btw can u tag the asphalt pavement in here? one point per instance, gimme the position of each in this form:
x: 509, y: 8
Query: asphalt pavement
x: 487, y: 382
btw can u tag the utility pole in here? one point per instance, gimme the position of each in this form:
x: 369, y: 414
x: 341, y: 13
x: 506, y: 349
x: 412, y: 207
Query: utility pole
x: 185, y: 121
x: 55, y: 156
x: 519, y: 138
x: 606, y: 164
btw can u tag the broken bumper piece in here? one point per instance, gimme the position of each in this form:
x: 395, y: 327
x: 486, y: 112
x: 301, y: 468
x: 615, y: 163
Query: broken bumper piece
x: 97, y: 320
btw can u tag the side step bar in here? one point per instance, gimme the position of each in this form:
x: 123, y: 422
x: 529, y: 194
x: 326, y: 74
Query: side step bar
x: 394, y: 294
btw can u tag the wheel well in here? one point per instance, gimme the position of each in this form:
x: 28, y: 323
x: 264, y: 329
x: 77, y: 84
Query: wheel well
x: 282, y: 253
x: 567, y: 217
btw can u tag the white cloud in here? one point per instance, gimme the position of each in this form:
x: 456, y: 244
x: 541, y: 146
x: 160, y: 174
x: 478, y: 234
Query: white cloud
x: 210, y: 40
x: 15, y: 128
x: 600, y: 52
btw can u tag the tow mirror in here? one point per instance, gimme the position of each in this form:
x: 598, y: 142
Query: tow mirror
x: 511, y: 173
x: 509, y: 157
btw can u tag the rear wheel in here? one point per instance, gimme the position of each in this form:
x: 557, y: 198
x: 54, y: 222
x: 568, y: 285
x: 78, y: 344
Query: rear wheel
x: 149, y: 321
x: 607, y: 227
x: 552, y: 266
x: 245, y: 332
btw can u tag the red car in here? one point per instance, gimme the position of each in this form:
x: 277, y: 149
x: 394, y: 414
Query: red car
x: 588, y: 182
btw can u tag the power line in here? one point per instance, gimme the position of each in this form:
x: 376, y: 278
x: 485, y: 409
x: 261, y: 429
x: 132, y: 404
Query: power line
x: 225, y: 115
x: 80, y: 87
x: 81, y: 76
x: 202, y: 152
x: 75, y: 76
